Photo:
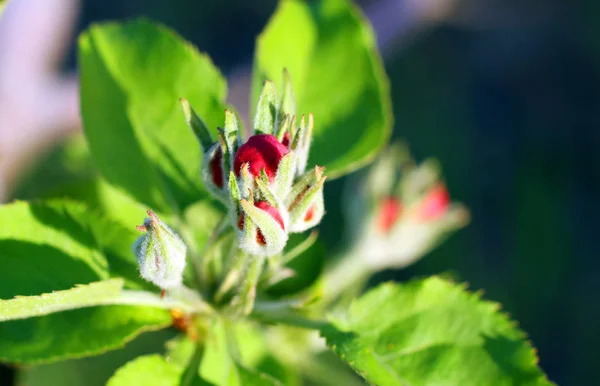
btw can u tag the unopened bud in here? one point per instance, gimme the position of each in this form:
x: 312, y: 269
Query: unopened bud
x: 260, y: 152
x: 305, y: 201
x: 216, y: 169
x: 286, y: 140
x: 262, y: 228
x: 213, y: 174
x: 389, y: 212
x: 434, y: 205
x: 160, y: 253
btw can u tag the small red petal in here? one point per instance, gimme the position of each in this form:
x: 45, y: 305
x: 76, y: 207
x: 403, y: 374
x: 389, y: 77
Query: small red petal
x: 389, y: 212
x: 241, y: 222
x: 270, y: 210
x: 262, y: 151
x: 216, y: 169
x: 435, y: 203
x: 260, y: 238
x: 286, y: 140
x: 310, y: 213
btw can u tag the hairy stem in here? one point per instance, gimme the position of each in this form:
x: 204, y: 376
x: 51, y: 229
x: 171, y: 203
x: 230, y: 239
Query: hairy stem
x: 244, y: 301
x: 349, y: 272
x: 233, y: 276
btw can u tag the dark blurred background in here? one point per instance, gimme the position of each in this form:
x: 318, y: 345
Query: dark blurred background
x: 506, y: 94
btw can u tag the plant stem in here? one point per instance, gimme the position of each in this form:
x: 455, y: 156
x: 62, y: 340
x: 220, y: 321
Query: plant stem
x: 143, y: 298
x: 190, y: 374
x: 194, y: 256
x: 350, y: 271
x: 231, y: 340
x: 206, y: 275
x: 291, y: 319
x: 244, y: 301
x: 300, y: 248
x: 233, y: 275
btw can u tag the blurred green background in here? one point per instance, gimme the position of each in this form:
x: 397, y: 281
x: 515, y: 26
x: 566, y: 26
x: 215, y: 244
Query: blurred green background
x: 507, y: 95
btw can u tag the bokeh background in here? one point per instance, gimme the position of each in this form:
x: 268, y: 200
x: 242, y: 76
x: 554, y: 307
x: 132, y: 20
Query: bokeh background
x: 505, y: 93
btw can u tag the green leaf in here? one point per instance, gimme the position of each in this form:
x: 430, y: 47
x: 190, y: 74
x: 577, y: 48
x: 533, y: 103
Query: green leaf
x: 114, y: 203
x: 147, y: 370
x: 221, y: 366
x: 81, y: 296
x: 218, y: 366
x: 116, y: 241
x: 76, y: 333
x: 330, y: 52
x: 132, y: 76
x: 432, y: 332
x: 57, y: 244
x: 250, y: 377
x: 92, y: 371
x: 154, y: 370
x: 54, y: 246
x: 108, y: 292
x: 202, y: 217
x: 45, y: 247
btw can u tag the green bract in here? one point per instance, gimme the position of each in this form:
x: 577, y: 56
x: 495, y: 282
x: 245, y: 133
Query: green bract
x: 245, y: 289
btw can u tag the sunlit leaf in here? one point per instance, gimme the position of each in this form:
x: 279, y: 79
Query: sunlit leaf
x: 432, y: 332
x: 132, y: 76
x: 330, y: 52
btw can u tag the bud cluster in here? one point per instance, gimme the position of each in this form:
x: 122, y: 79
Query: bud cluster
x: 409, y: 210
x: 262, y: 180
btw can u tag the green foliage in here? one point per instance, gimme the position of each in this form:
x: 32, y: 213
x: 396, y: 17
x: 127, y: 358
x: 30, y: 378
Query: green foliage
x: 70, y: 285
x: 76, y: 333
x: 227, y: 365
x: 330, y: 53
x: 54, y: 246
x: 107, y: 199
x: 148, y: 370
x: 57, y: 244
x: 46, y: 247
x: 171, y: 370
x: 132, y: 76
x: 432, y: 332
x: 249, y: 377
x: 81, y: 296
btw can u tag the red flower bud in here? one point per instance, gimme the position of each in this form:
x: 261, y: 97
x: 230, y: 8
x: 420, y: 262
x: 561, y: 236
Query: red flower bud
x: 260, y: 238
x: 388, y: 213
x: 262, y: 151
x: 435, y: 203
x: 286, y: 140
x: 216, y: 169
